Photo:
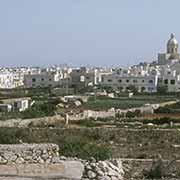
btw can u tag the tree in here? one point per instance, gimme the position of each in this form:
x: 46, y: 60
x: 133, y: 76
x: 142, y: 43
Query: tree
x: 133, y: 89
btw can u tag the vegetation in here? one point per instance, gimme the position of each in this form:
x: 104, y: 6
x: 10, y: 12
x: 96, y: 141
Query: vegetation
x: 130, y: 114
x: 36, y: 111
x: 133, y: 89
x: 84, y: 148
x: 160, y: 170
x: 156, y: 171
x: 86, y: 123
x: 39, y: 110
x: 104, y: 103
x: 161, y: 121
x: 173, y: 108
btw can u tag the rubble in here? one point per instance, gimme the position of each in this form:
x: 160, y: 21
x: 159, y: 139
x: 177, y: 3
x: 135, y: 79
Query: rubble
x: 105, y: 170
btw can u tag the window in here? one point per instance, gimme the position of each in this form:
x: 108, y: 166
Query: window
x: 151, y: 81
x: 143, y: 81
x: 102, y: 79
x: 42, y: 79
x: 119, y: 80
x: 127, y: 80
x: 109, y: 80
x: 166, y: 81
x: 50, y: 79
x: 33, y: 80
x: 82, y: 78
x: 134, y: 80
x: 172, y: 81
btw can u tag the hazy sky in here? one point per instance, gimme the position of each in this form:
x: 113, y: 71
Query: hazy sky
x: 85, y: 32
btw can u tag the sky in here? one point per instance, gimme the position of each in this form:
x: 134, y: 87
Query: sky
x: 85, y: 32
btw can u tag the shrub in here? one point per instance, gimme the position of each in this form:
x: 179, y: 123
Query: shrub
x: 8, y: 136
x: 130, y: 114
x: 86, y: 123
x: 82, y: 147
x: 163, y: 110
x: 160, y: 121
x: 39, y: 110
x: 156, y: 171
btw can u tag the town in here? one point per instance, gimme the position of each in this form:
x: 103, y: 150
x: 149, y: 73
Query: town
x: 161, y: 76
x: 89, y: 90
x: 104, y: 123
x: 144, y: 77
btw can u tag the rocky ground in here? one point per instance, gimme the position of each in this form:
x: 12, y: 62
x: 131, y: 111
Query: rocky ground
x: 42, y: 161
x: 109, y: 170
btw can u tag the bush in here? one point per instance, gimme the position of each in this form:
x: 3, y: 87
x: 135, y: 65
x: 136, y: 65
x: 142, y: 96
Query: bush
x: 39, y: 110
x: 86, y: 123
x: 8, y: 136
x: 130, y: 114
x: 84, y: 148
x: 163, y: 110
x: 160, y: 121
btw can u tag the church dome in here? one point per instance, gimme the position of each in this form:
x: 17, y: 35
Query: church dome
x: 172, y: 47
x: 172, y: 41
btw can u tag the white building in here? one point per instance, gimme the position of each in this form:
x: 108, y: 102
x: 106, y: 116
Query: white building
x: 7, y: 81
x: 147, y: 83
x: 15, y: 104
x: 43, y: 79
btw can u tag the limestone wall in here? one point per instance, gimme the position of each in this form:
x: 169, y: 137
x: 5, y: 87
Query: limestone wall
x: 43, y: 160
x: 22, y: 123
x: 28, y: 153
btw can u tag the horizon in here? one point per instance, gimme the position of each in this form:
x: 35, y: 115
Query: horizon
x: 85, y: 33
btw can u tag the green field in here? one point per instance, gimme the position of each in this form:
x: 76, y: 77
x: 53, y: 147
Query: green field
x: 124, y: 102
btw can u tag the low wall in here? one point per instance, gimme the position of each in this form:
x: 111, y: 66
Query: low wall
x: 37, y: 160
x: 63, y: 169
x: 28, y: 153
x: 24, y: 123
x: 43, y: 160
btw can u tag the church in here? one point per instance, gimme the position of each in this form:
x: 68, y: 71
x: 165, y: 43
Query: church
x: 171, y: 52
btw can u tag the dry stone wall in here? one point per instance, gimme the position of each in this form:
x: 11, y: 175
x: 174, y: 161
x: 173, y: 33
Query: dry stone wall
x: 28, y: 153
x: 43, y: 160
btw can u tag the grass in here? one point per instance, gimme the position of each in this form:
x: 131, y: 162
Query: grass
x: 104, y: 103
x: 108, y: 103
x: 116, y: 103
